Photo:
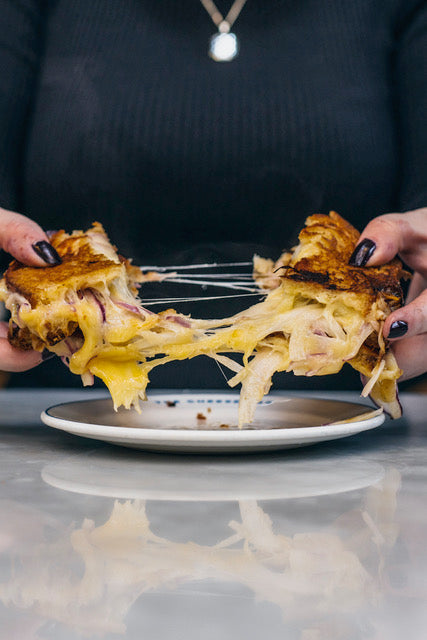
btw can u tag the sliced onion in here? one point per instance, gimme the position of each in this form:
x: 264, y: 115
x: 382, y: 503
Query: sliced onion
x: 72, y: 345
x: 87, y: 378
x: 367, y: 389
x: 180, y: 320
x: 100, y: 304
x: 19, y: 308
x: 129, y: 307
x: 147, y: 311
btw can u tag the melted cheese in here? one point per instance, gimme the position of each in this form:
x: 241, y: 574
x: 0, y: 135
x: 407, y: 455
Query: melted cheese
x: 126, y: 380
x: 285, y: 332
x: 289, y: 331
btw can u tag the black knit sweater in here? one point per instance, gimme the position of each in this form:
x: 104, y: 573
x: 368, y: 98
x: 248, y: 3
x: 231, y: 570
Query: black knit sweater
x: 111, y: 110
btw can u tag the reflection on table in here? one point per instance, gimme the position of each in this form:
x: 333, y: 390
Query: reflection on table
x: 320, y: 543
x: 87, y: 576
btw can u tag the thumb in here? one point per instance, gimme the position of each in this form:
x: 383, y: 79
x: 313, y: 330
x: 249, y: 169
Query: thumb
x: 380, y: 241
x: 13, y: 359
x: 391, y: 234
x: 25, y: 240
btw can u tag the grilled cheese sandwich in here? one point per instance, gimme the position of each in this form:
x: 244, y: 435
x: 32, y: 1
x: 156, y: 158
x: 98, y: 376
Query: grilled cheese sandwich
x: 318, y: 313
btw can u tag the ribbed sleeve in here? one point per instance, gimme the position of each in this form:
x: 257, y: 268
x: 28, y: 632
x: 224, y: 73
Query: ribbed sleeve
x: 135, y: 125
x: 20, y: 48
x: 411, y: 97
x: 111, y: 110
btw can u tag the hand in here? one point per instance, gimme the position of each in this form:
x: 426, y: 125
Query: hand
x: 381, y: 240
x: 28, y: 243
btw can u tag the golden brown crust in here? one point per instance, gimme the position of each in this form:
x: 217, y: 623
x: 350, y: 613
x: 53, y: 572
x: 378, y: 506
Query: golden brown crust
x: 20, y: 338
x: 79, y: 262
x: 321, y: 260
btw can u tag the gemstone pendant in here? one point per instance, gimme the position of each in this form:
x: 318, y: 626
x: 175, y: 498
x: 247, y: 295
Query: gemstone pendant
x: 223, y: 47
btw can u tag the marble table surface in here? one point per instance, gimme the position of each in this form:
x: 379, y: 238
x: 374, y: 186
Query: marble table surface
x: 327, y: 542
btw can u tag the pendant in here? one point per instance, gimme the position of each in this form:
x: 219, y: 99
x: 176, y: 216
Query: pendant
x: 223, y: 47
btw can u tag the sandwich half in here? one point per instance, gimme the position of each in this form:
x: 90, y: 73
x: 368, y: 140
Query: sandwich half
x: 86, y: 310
x: 336, y: 311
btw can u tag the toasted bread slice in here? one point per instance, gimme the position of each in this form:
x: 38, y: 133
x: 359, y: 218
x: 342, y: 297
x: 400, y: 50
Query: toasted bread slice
x: 321, y: 261
x: 320, y: 264
x: 87, y: 258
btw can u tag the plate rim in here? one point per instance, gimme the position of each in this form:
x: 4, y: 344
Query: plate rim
x: 210, y: 436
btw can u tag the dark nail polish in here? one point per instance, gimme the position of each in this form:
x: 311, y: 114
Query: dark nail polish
x: 46, y: 252
x: 47, y: 355
x: 398, y: 329
x: 362, y: 253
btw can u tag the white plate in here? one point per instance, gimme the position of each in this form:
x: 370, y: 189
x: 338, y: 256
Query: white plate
x: 206, y: 422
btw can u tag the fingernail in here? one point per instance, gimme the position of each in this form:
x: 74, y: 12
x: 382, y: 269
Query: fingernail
x: 46, y: 252
x: 47, y: 355
x: 398, y: 329
x: 362, y: 253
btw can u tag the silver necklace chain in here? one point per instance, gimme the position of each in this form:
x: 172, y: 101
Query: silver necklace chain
x: 223, y: 46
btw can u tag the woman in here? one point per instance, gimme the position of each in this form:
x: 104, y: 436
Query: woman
x: 114, y: 111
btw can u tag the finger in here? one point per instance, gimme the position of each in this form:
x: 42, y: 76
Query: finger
x: 410, y: 320
x: 12, y: 359
x: 391, y: 234
x: 417, y: 286
x: 381, y: 240
x: 25, y: 240
x: 410, y: 356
